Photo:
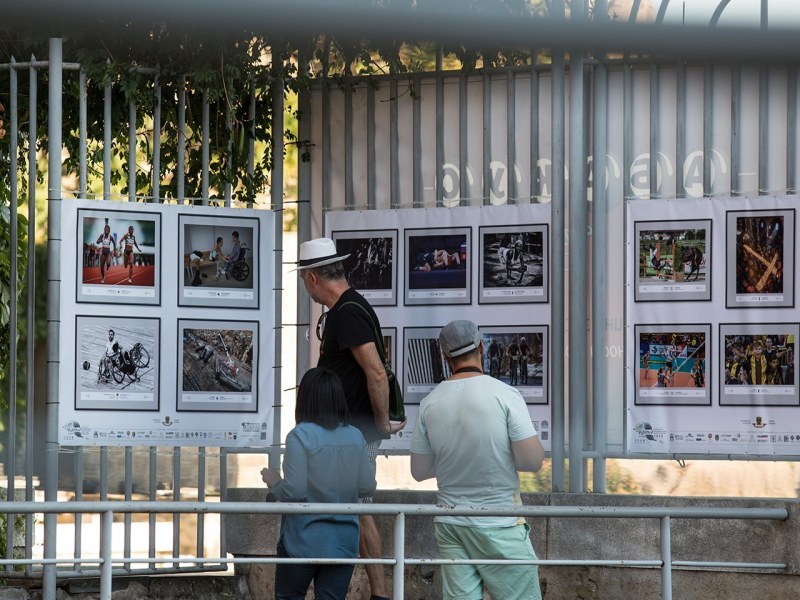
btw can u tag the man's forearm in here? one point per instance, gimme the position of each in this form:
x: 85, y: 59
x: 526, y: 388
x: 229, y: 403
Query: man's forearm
x: 378, y: 388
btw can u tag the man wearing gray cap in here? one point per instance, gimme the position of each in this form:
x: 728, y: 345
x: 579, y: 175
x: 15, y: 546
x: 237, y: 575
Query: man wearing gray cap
x: 348, y: 336
x: 473, y: 434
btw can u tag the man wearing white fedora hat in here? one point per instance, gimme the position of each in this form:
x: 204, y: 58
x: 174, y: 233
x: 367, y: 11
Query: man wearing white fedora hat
x: 347, y: 334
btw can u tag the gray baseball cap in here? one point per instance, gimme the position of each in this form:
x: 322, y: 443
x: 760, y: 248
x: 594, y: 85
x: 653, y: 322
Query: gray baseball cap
x: 459, y: 337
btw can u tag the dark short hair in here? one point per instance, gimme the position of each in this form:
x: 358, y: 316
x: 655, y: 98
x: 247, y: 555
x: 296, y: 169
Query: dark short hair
x: 331, y: 272
x: 321, y: 399
x: 219, y: 239
x: 235, y: 234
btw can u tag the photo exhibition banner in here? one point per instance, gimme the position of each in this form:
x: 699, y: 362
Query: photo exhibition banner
x: 712, y: 326
x: 422, y: 268
x: 167, y: 325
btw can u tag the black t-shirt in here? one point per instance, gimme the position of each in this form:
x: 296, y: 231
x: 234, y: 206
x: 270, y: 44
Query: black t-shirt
x: 347, y: 327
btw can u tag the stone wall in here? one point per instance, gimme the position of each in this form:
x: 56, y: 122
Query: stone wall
x: 582, y: 538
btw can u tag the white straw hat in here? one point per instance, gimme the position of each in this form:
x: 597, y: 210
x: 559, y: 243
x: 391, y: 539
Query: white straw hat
x: 317, y: 253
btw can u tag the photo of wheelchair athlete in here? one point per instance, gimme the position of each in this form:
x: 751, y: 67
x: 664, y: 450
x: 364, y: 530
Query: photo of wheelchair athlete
x: 116, y: 356
x: 218, y: 256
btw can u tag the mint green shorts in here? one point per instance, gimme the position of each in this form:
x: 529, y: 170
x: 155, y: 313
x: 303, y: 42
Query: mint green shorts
x: 504, y: 582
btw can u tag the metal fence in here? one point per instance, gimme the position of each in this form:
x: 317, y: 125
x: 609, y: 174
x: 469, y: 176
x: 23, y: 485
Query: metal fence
x: 650, y: 125
x: 108, y: 565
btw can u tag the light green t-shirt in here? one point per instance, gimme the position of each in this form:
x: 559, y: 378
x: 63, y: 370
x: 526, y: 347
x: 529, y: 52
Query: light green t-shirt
x: 469, y: 424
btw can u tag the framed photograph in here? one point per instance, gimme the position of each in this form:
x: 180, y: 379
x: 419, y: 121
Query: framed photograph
x: 760, y: 249
x: 519, y: 356
x: 516, y: 355
x: 217, y: 366
x: 370, y: 268
x: 759, y: 364
x: 424, y: 365
x: 390, y: 345
x: 672, y: 366
x: 438, y: 269
x: 673, y: 260
x: 116, y: 363
x: 220, y: 261
x: 118, y: 257
x: 514, y: 264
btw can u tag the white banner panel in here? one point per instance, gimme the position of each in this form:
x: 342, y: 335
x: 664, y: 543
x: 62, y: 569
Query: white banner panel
x: 167, y: 325
x: 422, y: 268
x: 711, y: 327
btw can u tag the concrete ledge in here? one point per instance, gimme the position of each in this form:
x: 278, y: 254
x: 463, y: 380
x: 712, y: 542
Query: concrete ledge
x: 718, y: 540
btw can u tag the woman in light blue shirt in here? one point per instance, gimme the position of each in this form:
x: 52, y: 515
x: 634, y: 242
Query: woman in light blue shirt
x: 325, y: 461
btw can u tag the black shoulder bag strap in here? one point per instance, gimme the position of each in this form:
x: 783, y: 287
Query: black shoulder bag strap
x: 378, y: 336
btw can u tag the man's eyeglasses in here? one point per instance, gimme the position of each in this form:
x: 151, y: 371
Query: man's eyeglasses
x: 321, y: 326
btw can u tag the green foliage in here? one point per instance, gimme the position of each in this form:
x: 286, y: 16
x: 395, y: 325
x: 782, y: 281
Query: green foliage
x: 19, y: 535
x: 6, y: 283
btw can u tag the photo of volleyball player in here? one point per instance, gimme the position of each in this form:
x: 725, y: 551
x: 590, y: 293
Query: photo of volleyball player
x: 673, y: 364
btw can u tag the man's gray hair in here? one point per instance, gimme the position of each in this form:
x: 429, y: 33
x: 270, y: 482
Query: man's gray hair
x: 331, y: 272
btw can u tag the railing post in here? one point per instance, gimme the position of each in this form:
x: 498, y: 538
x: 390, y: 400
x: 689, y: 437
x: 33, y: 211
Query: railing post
x: 399, y: 555
x: 107, y: 521
x: 666, y: 558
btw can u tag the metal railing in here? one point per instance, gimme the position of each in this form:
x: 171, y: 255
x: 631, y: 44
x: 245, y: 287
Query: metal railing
x: 107, y: 510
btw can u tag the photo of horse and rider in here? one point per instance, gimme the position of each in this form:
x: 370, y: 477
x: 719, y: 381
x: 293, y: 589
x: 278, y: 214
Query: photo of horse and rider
x: 671, y: 256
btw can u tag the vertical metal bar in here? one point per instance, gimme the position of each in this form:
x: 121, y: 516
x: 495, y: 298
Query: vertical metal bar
x: 439, y: 126
x: 106, y: 525
x: 181, y: 166
x: 417, y: 144
x: 463, y: 148
x: 54, y: 147
x: 304, y: 185
x: 201, y: 497
x: 78, y: 462
x: 599, y: 287
x: 156, y: 162
x: 251, y: 144
x: 128, y: 496
x: 487, y: 139
x: 511, y: 138
x: 104, y: 473
x: 708, y: 126
x: 277, y: 89
x: 33, y: 118
x: 394, y: 145
x: 666, y: 558
x: 763, y: 126
x: 349, y: 198
x: 11, y: 434
x: 176, y: 497
x: 655, y: 115
x: 398, y: 580
x: 132, y: 188
x: 223, y: 497
x: 534, y: 142
x: 206, y: 132
x: 558, y: 207
x: 107, y: 141
x: 82, y: 126
x: 791, y: 130
x: 680, y: 130
x: 153, y: 487
x: 326, y: 131
x: 229, y: 146
x: 371, y: 147
x: 627, y: 128
x: 578, y: 359
x: 736, y: 150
